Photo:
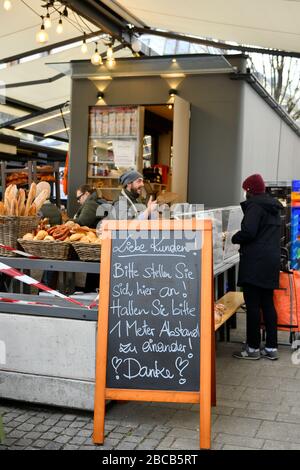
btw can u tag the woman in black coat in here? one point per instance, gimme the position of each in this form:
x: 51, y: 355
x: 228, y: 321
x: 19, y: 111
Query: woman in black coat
x: 259, y: 240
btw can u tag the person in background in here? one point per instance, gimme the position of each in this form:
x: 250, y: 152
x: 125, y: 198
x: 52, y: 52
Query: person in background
x: 89, y: 202
x: 48, y: 209
x: 259, y: 240
x: 128, y: 206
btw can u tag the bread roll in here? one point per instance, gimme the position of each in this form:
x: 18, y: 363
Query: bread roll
x: 76, y: 237
x: 49, y: 238
x: 41, y: 235
x: 85, y: 240
x: 28, y: 236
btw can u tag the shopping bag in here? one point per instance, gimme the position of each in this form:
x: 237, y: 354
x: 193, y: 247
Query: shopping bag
x: 287, y: 301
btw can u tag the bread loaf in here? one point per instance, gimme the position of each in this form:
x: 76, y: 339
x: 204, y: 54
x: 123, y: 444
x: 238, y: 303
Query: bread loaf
x: 30, y: 199
x: 21, y: 201
x: 41, y: 198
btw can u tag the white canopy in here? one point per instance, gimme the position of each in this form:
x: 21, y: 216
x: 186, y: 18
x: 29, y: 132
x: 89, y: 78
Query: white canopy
x: 265, y: 23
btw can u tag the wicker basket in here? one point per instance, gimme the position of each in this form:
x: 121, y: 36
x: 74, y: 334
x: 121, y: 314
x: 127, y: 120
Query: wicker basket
x: 48, y: 249
x: 12, y: 228
x: 87, y: 251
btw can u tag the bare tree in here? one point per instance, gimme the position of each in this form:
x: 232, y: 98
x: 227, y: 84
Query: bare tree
x: 281, y: 78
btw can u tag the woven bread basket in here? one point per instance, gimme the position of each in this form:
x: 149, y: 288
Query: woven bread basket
x: 87, y: 251
x: 12, y: 228
x: 46, y: 249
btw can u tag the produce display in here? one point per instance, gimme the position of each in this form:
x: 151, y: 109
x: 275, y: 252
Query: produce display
x: 16, y: 203
x: 68, y: 232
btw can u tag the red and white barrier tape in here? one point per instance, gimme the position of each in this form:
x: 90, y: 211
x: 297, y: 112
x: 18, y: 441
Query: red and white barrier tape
x: 14, y: 273
x: 94, y: 303
x: 18, y: 252
x: 25, y: 302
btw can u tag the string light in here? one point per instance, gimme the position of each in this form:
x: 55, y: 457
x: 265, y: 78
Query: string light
x: 48, y: 22
x: 7, y: 5
x: 96, y: 58
x: 110, y: 63
x: 42, y: 35
x: 109, y: 53
x: 59, y: 28
x: 84, y: 47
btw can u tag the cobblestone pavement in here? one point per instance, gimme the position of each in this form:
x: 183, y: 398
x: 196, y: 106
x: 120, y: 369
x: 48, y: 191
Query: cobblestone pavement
x: 257, y: 408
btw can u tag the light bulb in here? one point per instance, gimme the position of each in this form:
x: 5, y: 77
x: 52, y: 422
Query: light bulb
x: 110, y: 63
x: 59, y: 28
x: 96, y: 58
x: 136, y: 45
x: 47, y: 21
x: 110, y: 53
x: 84, y: 47
x: 42, y: 35
x: 7, y: 5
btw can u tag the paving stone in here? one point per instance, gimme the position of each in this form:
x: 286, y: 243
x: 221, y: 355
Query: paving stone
x: 290, y: 385
x: 241, y: 441
x: 259, y: 414
x: 282, y: 408
x: 147, y: 444
x: 8, y: 441
x: 69, y: 447
x: 71, y: 432
x: 40, y: 443
x: 53, y: 446
x: 264, y: 396
x: 222, y: 410
x: 290, y: 398
x: 24, y: 442
x: 166, y: 443
x: 132, y: 439
x: 156, y: 435
x: 282, y: 371
x: 116, y: 435
x: 33, y: 435
x: 127, y: 446
x: 84, y: 433
x: 177, y: 432
x: 22, y: 418
x: 77, y: 440
x: 288, y: 418
x: 121, y: 429
x: 109, y: 444
x: 235, y: 425
x: 62, y: 424
x: 187, y: 444
x: 279, y: 431
x: 49, y: 435
x: 232, y: 403
x: 87, y: 447
x: 15, y: 433
x: 277, y: 445
x: 230, y: 392
x: 232, y: 447
x: 70, y: 417
x: 261, y: 382
x: 42, y: 428
x: 62, y: 439
x: 35, y: 420
x: 76, y: 424
x: 228, y: 378
x: 26, y: 427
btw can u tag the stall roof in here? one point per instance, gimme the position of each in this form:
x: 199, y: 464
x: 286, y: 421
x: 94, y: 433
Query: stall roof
x: 264, y: 23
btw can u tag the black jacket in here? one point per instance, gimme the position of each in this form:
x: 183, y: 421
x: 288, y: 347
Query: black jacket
x: 51, y: 212
x: 87, y: 213
x: 259, y: 240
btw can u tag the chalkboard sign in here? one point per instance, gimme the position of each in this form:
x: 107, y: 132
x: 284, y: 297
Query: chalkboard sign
x: 154, y: 311
x: 155, y: 317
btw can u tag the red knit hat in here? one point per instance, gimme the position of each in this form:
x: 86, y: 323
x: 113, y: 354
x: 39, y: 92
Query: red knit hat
x: 254, y: 184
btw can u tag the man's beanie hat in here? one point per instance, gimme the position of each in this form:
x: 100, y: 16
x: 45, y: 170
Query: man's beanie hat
x: 254, y: 184
x: 129, y: 177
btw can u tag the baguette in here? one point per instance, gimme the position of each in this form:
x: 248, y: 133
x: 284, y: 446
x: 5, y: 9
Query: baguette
x: 32, y: 210
x: 40, y: 199
x: 21, y: 201
x: 2, y: 208
x: 30, y: 199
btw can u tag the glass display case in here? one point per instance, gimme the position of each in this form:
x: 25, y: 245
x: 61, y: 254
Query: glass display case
x: 113, y: 146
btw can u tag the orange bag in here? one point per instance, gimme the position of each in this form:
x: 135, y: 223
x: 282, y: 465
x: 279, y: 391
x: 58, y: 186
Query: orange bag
x: 287, y: 301
x: 65, y: 177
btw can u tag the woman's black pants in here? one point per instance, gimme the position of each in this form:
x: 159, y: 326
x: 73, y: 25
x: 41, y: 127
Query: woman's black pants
x: 260, y: 300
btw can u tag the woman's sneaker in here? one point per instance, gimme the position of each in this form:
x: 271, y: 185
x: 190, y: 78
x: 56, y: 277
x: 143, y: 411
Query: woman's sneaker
x: 246, y: 354
x: 272, y: 355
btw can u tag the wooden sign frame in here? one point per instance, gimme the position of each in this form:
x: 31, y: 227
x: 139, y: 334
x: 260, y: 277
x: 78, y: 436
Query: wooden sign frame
x: 207, y: 389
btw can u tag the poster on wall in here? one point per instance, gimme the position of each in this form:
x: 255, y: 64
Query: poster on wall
x: 124, y: 152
